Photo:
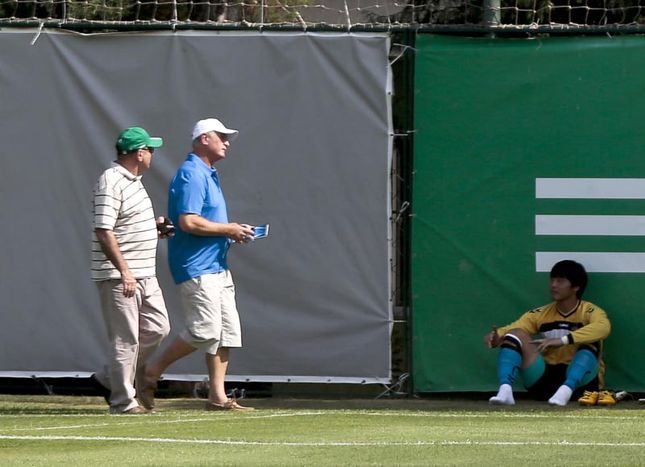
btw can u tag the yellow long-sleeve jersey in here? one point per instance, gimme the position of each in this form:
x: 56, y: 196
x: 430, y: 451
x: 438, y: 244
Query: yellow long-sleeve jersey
x: 586, y: 324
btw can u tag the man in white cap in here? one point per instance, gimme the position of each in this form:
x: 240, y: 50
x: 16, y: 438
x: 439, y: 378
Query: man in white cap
x: 124, y: 250
x: 197, y: 257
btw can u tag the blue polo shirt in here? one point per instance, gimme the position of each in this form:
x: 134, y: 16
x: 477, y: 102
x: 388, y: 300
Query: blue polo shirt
x: 195, y: 189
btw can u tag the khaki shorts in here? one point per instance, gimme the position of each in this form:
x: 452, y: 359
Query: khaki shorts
x: 212, y: 320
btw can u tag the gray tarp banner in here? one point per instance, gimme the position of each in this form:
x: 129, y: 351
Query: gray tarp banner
x: 312, y: 159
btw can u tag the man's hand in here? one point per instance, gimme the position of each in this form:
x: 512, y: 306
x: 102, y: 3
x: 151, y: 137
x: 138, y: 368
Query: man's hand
x: 129, y: 284
x: 492, y: 339
x: 165, y: 227
x: 110, y: 247
x: 543, y: 344
x: 241, y: 233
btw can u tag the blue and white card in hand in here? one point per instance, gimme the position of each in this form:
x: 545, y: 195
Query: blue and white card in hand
x: 260, y: 231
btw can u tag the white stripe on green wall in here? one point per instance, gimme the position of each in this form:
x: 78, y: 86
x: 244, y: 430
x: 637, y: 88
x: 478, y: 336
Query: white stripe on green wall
x: 589, y: 225
x: 593, y: 261
x: 590, y: 188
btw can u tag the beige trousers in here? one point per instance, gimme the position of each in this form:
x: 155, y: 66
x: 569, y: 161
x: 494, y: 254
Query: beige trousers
x: 135, y: 326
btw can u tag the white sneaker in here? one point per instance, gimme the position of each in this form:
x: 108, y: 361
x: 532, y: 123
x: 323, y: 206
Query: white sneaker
x: 504, y: 396
x: 561, y: 396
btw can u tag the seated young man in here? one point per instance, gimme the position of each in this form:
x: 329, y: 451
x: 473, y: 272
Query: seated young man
x: 567, y: 356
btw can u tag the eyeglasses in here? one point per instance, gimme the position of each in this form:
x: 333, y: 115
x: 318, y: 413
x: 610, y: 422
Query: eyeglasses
x: 150, y: 150
x: 222, y: 136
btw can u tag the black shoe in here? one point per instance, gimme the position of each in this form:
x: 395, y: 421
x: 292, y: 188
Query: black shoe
x: 100, y: 389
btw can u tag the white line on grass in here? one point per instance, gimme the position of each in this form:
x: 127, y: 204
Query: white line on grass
x: 466, y: 442
x: 551, y: 413
x: 146, y: 421
x: 158, y: 417
x: 173, y: 412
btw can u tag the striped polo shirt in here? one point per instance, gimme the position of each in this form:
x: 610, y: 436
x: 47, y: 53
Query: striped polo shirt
x: 122, y: 204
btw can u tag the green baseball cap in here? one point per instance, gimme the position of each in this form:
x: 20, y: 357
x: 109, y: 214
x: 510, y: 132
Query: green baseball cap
x: 134, y: 138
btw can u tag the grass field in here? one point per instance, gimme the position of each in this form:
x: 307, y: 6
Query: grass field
x: 56, y: 430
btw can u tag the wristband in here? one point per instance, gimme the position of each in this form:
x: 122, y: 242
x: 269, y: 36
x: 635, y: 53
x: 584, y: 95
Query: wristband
x: 565, y: 339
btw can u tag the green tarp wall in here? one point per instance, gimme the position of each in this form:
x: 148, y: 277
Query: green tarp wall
x: 526, y: 152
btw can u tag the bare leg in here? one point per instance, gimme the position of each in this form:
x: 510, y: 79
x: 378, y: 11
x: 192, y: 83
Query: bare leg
x: 529, y: 349
x: 217, y: 365
x: 217, y: 400
x: 176, y: 350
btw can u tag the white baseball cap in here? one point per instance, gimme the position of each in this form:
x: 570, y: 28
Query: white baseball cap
x: 213, y: 124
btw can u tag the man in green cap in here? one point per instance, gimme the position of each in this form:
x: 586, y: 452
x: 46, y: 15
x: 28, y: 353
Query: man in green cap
x: 124, y: 249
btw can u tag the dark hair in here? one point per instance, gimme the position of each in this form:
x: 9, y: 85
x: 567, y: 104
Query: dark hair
x: 573, y: 272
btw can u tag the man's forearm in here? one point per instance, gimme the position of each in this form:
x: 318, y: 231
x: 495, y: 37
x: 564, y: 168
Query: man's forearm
x: 197, y: 225
x: 110, y: 247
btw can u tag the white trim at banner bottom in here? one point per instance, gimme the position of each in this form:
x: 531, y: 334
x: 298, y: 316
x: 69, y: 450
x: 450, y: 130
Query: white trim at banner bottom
x: 593, y: 261
x: 204, y: 377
